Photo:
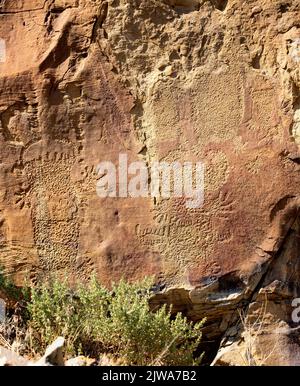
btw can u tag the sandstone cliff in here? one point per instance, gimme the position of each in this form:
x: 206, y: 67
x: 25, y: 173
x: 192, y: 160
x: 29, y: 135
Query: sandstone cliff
x: 211, y: 80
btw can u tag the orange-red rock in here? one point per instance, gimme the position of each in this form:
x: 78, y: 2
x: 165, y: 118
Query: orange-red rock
x: 214, y: 81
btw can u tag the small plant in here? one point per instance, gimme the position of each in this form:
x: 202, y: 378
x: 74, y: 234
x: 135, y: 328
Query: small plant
x: 54, y: 311
x: 10, y: 290
x: 13, y: 327
x: 118, y: 322
x: 128, y: 328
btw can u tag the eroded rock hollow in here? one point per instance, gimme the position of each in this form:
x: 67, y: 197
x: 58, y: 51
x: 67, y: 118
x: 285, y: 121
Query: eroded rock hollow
x: 82, y: 81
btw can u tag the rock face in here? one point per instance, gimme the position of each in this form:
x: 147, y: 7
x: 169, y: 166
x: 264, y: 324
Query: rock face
x: 10, y: 358
x: 215, y: 81
x: 53, y: 355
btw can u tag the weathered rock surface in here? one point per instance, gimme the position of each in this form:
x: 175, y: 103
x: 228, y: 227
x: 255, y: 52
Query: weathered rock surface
x: 54, y: 354
x: 10, y: 358
x: 215, y: 81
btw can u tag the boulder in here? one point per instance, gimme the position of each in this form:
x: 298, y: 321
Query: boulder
x: 11, y: 358
x: 53, y: 355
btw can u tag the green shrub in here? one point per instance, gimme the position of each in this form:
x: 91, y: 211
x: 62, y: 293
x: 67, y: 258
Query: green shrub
x: 117, y: 321
x: 9, y: 289
x: 52, y: 313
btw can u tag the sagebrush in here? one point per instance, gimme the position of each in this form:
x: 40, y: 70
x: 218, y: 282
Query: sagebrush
x: 119, y: 322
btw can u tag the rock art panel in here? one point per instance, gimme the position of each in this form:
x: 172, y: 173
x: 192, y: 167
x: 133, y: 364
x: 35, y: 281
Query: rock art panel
x: 216, y: 82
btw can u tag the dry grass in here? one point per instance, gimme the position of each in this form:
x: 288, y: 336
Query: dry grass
x: 253, y: 355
